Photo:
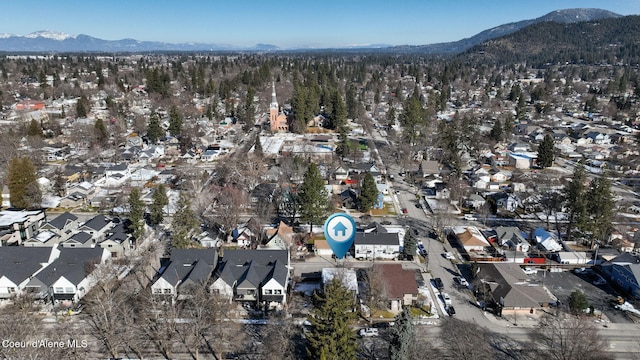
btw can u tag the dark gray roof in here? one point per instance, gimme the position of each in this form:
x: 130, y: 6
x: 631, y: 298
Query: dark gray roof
x: 374, y: 238
x: 81, y: 237
x: 118, y: 167
x: 72, y: 264
x: 190, y: 266
x: 61, y: 221
x: 98, y: 222
x: 253, y: 268
x: 18, y: 263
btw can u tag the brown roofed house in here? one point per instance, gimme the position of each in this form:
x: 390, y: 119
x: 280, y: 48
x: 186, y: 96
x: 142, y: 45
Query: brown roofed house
x: 399, y: 284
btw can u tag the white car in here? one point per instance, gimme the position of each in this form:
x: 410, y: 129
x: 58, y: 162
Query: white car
x: 446, y: 298
x: 448, y: 256
x: 462, y: 281
x: 368, y: 332
x: 530, y: 271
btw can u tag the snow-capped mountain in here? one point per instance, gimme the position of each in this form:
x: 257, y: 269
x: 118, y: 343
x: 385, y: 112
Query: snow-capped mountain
x: 53, y: 41
x: 48, y: 34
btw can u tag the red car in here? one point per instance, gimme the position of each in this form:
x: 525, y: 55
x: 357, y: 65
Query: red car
x: 404, y: 210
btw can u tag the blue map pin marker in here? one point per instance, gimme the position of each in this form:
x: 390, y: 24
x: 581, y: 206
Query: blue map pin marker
x: 340, y: 230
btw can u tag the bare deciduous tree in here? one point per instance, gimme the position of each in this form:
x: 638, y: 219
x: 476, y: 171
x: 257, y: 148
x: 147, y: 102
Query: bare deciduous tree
x: 464, y: 340
x: 568, y: 337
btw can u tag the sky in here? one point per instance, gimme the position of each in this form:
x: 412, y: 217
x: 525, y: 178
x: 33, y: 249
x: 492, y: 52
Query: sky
x: 284, y: 23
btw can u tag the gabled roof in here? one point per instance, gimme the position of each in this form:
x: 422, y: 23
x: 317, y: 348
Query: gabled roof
x: 510, y: 233
x: 255, y: 267
x: 97, y: 223
x: 374, y: 238
x: 72, y: 264
x: 190, y: 265
x: 61, y: 221
x: 17, y: 263
x: 397, y: 281
x: 81, y: 237
x: 510, y: 287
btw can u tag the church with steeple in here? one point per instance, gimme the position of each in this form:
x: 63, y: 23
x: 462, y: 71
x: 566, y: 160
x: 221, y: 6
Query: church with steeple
x: 277, y: 118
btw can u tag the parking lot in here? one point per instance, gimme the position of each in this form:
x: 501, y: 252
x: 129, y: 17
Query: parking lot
x: 561, y: 284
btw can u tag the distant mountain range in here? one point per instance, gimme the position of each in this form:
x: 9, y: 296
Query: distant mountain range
x: 52, y: 41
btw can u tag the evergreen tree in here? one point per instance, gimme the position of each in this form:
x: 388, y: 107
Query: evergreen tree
x: 391, y: 116
x: 313, y: 197
x: 521, y: 108
x: 368, y: 193
x: 34, y: 128
x: 100, y: 133
x: 154, y: 132
x: 82, y: 107
x: 257, y: 149
x: 175, y: 121
x: 330, y: 337
x: 410, y: 243
x: 507, y: 127
x: 600, y: 207
x: 575, y: 193
x: 136, y: 213
x: 546, y: 152
x: 339, y: 115
x: 160, y: 200
x: 403, y: 337
x: 24, y: 190
x: 578, y: 302
x: 184, y: 222
x: 496, y: 132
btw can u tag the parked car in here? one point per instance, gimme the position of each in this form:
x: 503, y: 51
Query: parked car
x: 462, y: 281
x: 530, y: 271
x: 450, y: 310
x: 448, y: 255
x: 438, y: 283
x: 446, y: 298
x: 469, y: 217
x: 368, y: 332
x: 404, y: 210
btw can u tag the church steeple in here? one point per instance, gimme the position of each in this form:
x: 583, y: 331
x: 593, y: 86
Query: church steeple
x: 274, y: 101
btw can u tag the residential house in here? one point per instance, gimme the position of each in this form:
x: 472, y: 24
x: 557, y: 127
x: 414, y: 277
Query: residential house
x: 379, y: 244
x: 507, y: 287
x: 504, y: 201
x: 322, y: 248
x: 511, y: 237
x: 117, y: 241
x: 79, y: 239
x: 545, y: 240
x: 341, y: 173
x: 470, y: 238
x: 96, y: 227
x: 598, y: 137
x: 474, y: 201
x: 62, y: 225
x: 253, y: 276
x: 281, y: 237
x: 522, y: 160
x: 17, y: 226
x: 187, y: 267
x: 243, y: 236
x: 624, y: 271
x: 18, y: 264
x: 68, y: 278
x: 400, y: 286
x: 428, y: 168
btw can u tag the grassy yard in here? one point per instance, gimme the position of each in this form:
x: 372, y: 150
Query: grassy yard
x: 419, y: 311
x: 387, y: 209
x: 382, y: 314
